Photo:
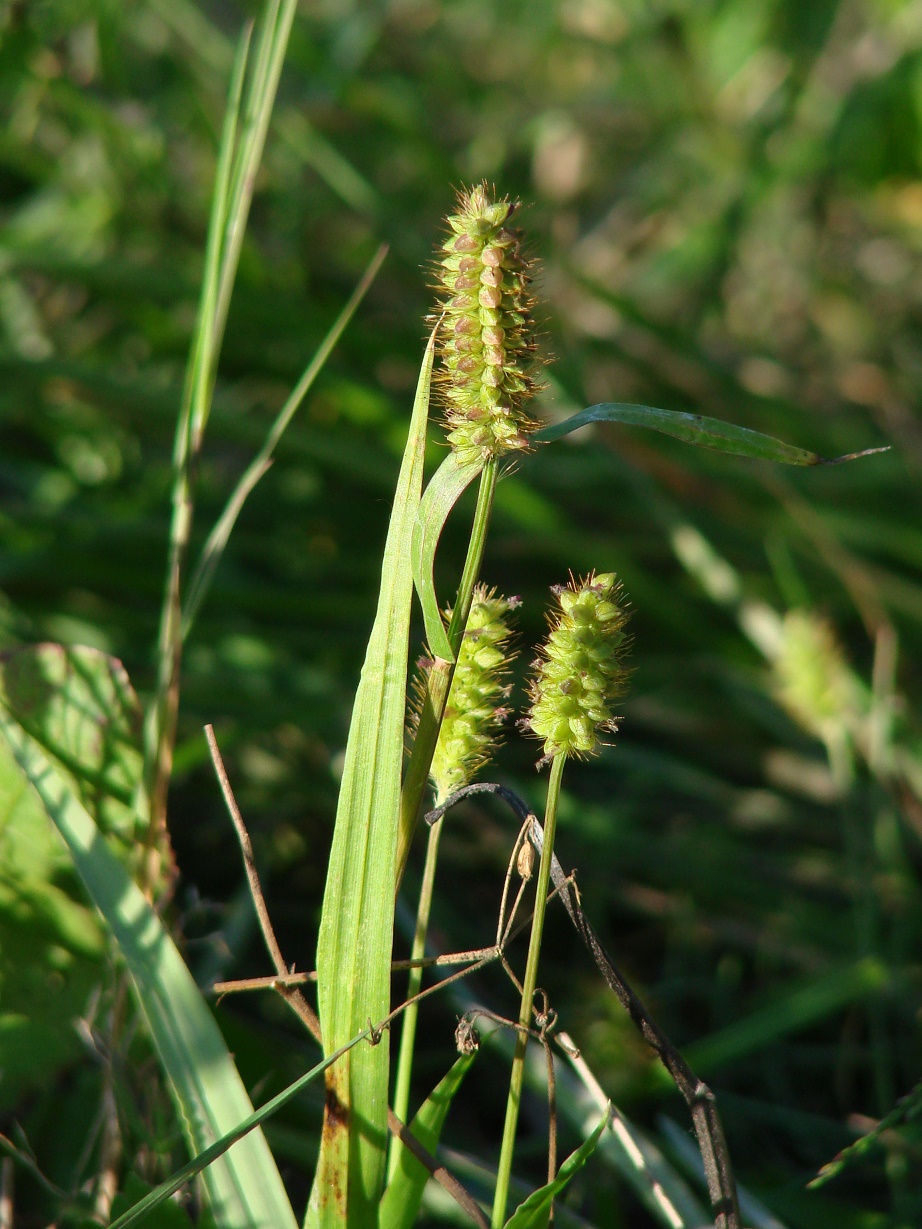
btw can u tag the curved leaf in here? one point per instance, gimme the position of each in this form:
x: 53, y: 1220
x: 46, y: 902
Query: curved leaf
x: 405, y: 1190
x: 244, y: 1188
x: 533, y: 1213
x: 695, y: 429
x: 447, y: 485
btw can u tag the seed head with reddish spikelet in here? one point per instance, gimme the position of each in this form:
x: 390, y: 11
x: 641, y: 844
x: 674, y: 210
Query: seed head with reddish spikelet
x: 486, y: 338
x: 578, y: 675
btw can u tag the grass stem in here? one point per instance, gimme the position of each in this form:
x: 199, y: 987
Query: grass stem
x: 414, y: 984
x: 504, y: 1170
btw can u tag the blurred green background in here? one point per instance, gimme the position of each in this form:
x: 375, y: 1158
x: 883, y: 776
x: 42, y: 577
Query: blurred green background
x: 724, y: 201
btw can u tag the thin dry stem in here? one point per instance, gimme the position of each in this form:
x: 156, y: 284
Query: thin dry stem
x: 290, y: 993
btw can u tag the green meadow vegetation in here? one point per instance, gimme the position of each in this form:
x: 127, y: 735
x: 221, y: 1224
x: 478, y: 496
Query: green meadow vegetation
x: 460, y: 606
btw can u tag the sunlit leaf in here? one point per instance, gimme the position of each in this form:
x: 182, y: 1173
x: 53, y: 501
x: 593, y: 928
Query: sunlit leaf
x: 533, y: 1212
x: 695, y: 429
x: 447, y: 485
x: 244, y: 1188
x: 356, y: 927
x: 405, y: 1190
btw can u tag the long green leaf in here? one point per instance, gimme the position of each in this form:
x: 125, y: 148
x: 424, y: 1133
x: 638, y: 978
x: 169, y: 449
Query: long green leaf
x: 356, y: 926
x: 447, y: 485
x: 695, y: 429
x: 405, y: 1190
x: 211, y: 1154
x: 533, y: 1212
x: 244, y: 1188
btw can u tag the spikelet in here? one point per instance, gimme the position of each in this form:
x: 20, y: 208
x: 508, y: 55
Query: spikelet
x: 578, y: 676
x: 486, y: 339
x: 474, y: 711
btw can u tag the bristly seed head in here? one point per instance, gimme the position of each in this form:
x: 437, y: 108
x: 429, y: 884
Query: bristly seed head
x: 486, y: 337
x: 578, y: 676
x: 474, y: 711
x: 812, y: 678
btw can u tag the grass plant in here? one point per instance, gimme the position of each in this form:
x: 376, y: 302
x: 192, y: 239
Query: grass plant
x: 80, y: 760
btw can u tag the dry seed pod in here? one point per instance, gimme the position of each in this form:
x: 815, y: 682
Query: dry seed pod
x: 486, y: 339
x: 525, y: 862
x: 467, y: 1037
x: 578, y: 675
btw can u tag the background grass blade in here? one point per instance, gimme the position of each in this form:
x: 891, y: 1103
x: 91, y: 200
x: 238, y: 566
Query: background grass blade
x: 242, y: 142
x: 259, y: 466
x: 405, y: 1190
x: 447, y: 485
x: 693, y: 429
x: 356, y: 926
x: 244, y: 1188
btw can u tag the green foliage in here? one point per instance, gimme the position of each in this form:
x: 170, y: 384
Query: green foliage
x: 725, y: 205
x: 533, y: 1213
x: 404, y: 1192
x: 69, y: 701
x: 356, y: 927
x: 79, y: 706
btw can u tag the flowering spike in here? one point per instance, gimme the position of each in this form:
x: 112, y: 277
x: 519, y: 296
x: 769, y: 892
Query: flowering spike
x: 474, y: 710
x: 486, y: 336
x: 811, y: 677
x: 578, y: 675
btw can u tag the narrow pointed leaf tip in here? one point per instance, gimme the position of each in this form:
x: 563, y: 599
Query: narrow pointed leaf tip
x: 697, y: 429
x: 578, y: 675
x: 534, y: 1213
x: 486, y: 335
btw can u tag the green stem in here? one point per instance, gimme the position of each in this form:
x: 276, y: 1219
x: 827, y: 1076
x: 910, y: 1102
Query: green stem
x: 861, y: 869
x: 504, y: 1171
x: 440, y: 676
x: 414, y: 982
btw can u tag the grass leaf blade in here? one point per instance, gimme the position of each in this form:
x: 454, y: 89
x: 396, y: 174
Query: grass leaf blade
x: 448, y: 484
x: 533, y: 1212
x: 356, y: 927
x: 405, y: 1190
x: 245, y: 1190
x: 259, y: 466
x: 693, y: 429
x: 220, y: 1146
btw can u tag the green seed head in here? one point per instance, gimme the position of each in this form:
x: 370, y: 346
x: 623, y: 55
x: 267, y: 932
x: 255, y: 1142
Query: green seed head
x: 486, y: 336
x: 474, y: 710
x: 812, y: 680
x: 578, y: 676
